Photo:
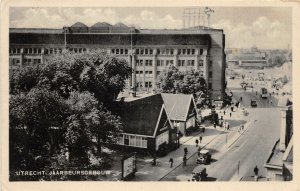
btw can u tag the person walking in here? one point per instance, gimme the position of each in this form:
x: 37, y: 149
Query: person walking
x: 184, y: 160
x: 230, y: 114
x: 224, y: 112
x: 197, y: 142
x: 171, y: 162
x: 200, y: 138
x: 185, y: 151
x: 256, y: 170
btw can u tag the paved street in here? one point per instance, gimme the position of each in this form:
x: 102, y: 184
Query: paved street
x: 246, y: 149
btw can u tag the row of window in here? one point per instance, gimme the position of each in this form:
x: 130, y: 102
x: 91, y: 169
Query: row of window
x: 132, y: 140
x: 144, y: 51
x: 147, y: 73
x: 142, y: 85
x: 186, y: 62
x: 26, y: 62
x: 119, y: 51
x: 141, y: 62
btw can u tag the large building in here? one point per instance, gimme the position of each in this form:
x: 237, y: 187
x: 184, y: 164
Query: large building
x: 249, y: 58
x: 148, y: 51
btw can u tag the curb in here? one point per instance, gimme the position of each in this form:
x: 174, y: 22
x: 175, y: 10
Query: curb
x: 235, y: 138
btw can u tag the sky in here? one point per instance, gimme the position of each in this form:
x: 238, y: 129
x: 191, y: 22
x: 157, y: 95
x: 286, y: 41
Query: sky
x: 244, y: 27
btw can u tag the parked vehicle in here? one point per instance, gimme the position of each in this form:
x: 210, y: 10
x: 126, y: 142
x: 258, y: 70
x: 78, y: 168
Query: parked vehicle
x: 199, y: 174
x: 204, y: 157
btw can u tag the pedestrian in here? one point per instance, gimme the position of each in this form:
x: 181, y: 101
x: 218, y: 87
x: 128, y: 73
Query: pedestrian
x: 255, y: 92
x: 184, y: 160
x: 197, y: 142
x: 200, y: 139
x: 224, y: 112
x: 230, y: 114
x: 215, y: 125
x: 185, y: 151
x: 256, y: 170
x: 228, y: 127
x: 171, y: 162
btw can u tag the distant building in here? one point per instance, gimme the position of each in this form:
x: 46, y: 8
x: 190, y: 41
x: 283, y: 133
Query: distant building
x: 182, y: 111
x: 280, y: 162
x: 148, y: 51
x: 253, y: 58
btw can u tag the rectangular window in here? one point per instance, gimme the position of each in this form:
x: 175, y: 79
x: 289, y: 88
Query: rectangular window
x: 158, y: 51
x: 146, y: 51
x: 138, y: 141
x: 183, y: 51
x: 200, y: 62
x: 179, y: 51
x: 126, y: 140
x: 132, y: 141
x: 148, y: 84
x: 113, y: 51
x: 210, y: 74
x: 172, y: 51
x: 144, y: 142
x: 141, y: 51
x: 193, y: 51
x: 201, y: 51
x: 121, y: 51
x: 117, y: 51
x: 160, y: 63
x: 137, y: 51
x: 210, y: 63
x: 151, y: 51
x: 150, y: 74
x: 126, y: 51
x: 188, y: 51
x: 181, y: 62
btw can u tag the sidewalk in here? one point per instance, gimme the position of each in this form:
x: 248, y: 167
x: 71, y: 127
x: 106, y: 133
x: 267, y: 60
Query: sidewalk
x: 155, y: 173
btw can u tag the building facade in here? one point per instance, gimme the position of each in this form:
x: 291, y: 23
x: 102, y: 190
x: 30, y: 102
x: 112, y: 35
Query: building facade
x: 148, y: 51
x: 279, y: 165
x: 182, y: 111
x: 146, y: 125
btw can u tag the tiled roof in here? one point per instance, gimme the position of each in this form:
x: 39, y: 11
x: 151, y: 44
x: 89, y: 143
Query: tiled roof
x: 141, y: 116
x: 177, y: 105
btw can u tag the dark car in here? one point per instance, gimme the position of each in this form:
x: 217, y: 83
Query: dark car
x: 253, y: 103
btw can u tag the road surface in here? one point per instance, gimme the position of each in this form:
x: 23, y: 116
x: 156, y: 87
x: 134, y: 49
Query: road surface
x: 231, y: 162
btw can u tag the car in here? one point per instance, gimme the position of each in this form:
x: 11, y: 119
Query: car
x: 253, y: 103
x: 204, y: 157
x: 199, y: 174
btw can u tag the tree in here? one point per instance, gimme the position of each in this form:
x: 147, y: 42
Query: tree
x: 188, y: 82
x: 33, y: 116
x: 95, y: 72
x: 60, y: 111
